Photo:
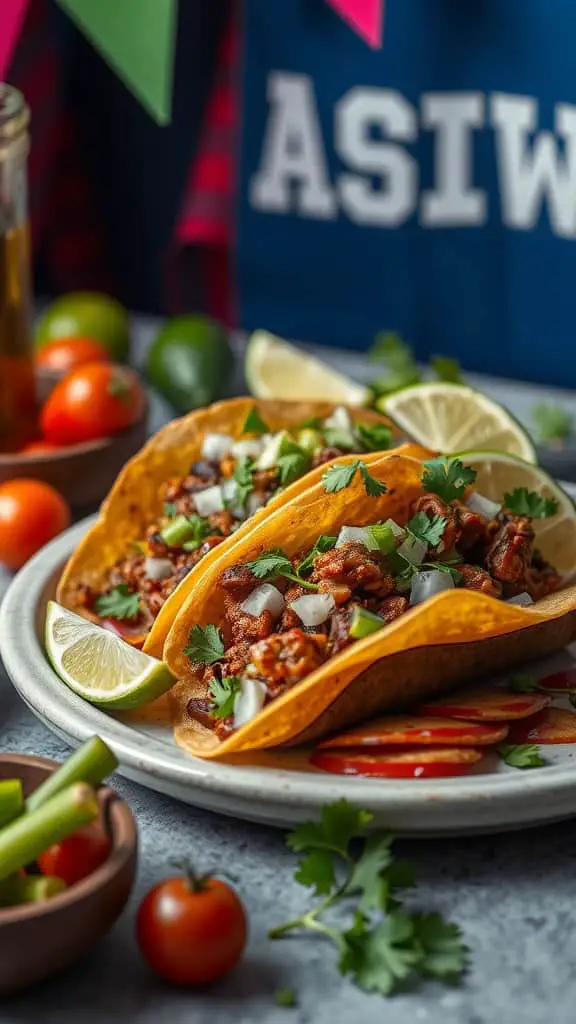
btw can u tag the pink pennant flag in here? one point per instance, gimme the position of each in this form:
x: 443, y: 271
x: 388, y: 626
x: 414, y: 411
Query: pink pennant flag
x: 365, y: 16
x: 11, y: 19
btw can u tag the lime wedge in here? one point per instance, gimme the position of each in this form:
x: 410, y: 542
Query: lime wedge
x: 499, y: 473
x: 100, y: 666
x: 452, y: 417
x: 275, y: 369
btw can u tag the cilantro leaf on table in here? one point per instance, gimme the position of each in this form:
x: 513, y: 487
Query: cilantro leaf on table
x: 522, y: 502
x: 399, y: 363
x: 254, y: 424
x: 381, y: 945
x: 118, y: 603
x: 551, y: 422
x: 243, y: 475
x: 337, y: 478
x: 521, y: 755
x: 285, y: 997
x: 522, y: 682
x: 447, y: 477
x: 223, y: 693
x: 276, y: 563
x: 427, y: 529
x: 447, y: 369
x: 205, y: 645
x: 323, y: 544
x: 292, y: 463
x: 375, y: 438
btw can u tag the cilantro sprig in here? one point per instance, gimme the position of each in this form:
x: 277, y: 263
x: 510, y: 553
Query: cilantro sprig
x: 522, y: 502
x: 118, y: 603
x: 381, y: 945
x: 430, y: 530
x: 323, y: 544
x: 205, y: 645
x: 275, y: 562
x: 223, y: 693
x: 397, y: 358
x: 292, y: 463
x: 521, y: 755
x: 447, y: 477
x: 254, y: 424
x: 375, y: 438
x: 447, y: 369
x: 337, y: 478
x: 243, y: 476
x: 551, y: 422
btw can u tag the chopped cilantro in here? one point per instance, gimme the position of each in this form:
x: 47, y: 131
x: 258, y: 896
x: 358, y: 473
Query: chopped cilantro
x: 223, y: 693
x: 276, y: 563
x: 446, y: 369
x: 340, y: 437
x: 551, y: 422
x: 205, y: 645
x: 337, y: 478
x: 313, y: 423
x: 428, y: 530
x: 118, y: 603
x: 243, y: 477
x: 381, y: 945
x: 522, y: 755
x: 324, y: 543
x: 201, y: 529
x: 447, y: 477
x: 292, y: 463
x: 170, y: 509
x: 375, y: 438
x: 522, y: 502
x: 285, y: 997
x: 254, y: 424
x: 398, y: 359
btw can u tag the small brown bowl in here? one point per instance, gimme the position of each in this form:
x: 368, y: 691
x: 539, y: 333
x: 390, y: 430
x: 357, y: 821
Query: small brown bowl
x: 39, y: 939
x: 83, y: 473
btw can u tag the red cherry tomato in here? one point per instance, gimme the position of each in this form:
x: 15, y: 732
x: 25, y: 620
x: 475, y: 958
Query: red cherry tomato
x: 487, y: 705
x: 554, y: 725
x: 64, y: 354
x: 397, y: 729
x: 93, y: 401
x: 392, y: 763
x: 31, y: 514
x: 191, y: 932
x: 76, y: 857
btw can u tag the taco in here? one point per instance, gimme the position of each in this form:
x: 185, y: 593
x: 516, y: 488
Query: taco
x: 189, y: 490
x: 383, y: 585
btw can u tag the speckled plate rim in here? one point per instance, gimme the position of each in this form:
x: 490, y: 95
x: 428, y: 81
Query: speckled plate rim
x: 276, y: 796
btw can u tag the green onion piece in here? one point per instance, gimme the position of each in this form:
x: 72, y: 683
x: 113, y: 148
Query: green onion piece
x: 177, y: 531
x: 364, y: 622
x: 190, y: 545
x: 11, y: 800
x: 91, y: 763
x: 309, y: 440
x: 383, y: 537
x: 29, y: 835
x: 398, y: 531
x: 19, y: 889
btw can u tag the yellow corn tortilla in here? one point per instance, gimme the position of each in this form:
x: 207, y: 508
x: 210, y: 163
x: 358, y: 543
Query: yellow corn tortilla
x: 471, y: 634
x: 134, y: 501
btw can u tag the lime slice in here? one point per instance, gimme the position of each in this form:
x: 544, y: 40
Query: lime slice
x: 99, y: 665
x: 452, y: 417
x: 499, y: 474
x: 275, y: 369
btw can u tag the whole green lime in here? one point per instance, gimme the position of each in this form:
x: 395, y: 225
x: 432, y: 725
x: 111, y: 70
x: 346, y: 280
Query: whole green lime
x: 87, y: 315
x: 190, y: 362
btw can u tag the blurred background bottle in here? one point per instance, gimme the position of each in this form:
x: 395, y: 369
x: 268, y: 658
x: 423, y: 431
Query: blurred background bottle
x: 17, y: 388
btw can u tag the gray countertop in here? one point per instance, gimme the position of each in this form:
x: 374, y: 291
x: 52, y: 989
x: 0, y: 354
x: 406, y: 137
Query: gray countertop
x: 511, y: 894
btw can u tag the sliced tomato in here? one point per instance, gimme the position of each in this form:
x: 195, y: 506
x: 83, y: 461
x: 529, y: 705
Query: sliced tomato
x: 409, y: 763
x: 560, y: 682
x: 410, y: 729
x: 487, y: 705
x: 554, y: 725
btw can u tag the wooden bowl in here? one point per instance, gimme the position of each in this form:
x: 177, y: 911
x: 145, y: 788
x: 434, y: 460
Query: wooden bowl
x: 83, y: 473
x: 37, y: 940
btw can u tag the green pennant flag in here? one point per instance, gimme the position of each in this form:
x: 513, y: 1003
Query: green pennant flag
x: 137, y: 39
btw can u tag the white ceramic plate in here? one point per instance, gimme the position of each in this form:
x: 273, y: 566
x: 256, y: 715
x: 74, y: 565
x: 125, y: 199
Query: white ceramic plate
x: 505, y: 799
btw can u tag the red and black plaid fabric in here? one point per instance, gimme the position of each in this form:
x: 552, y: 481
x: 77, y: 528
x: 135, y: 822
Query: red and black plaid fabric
x: 63, y: 222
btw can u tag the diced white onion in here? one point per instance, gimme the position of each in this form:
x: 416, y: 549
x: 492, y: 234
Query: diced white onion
x: 414, y: 550
x: 209, y: 500
x: 266, y: 598
x: 229, y: 490
x: 313, y: 609
x: 255, y: 501
x: 522, y: 600
x: 483, y: 506
x: 249, y: 701
x: 339, y: 419
x: 356, y: 535
x: 271, y: 450
x: 216, y: 446
x: 158, y: 568
x: 427, y: 584
x: 246, y: 449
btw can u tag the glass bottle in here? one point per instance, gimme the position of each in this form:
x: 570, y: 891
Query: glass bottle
x: 17, y: 387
